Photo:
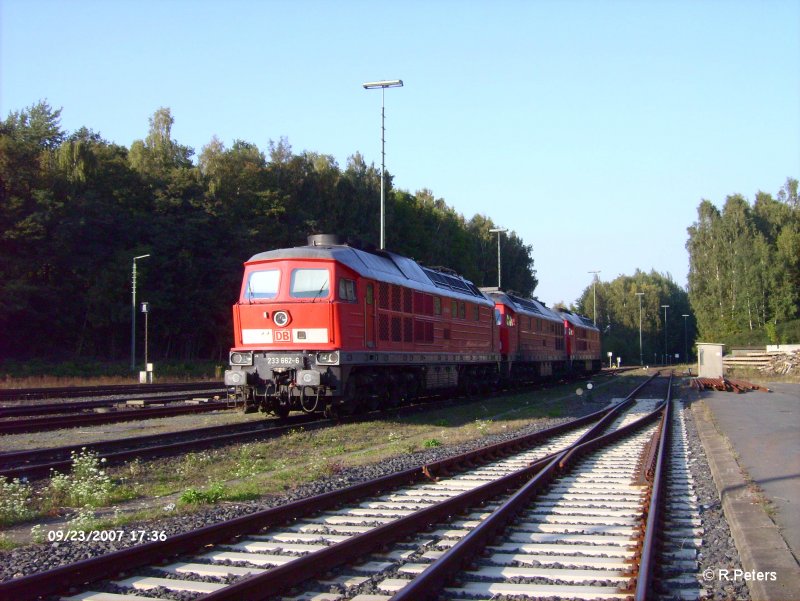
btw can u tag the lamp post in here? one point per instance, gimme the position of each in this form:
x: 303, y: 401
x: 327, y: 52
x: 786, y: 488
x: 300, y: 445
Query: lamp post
x: 594, y: 295
x: 665, y: 307
x: 685, y: 340
x: 641, y: 356
x: 146, y: 311
x: 498, y: 231
x: 133, y: 312
x: 382, y: 85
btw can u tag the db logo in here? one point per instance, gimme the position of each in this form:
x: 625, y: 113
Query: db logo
x: 283, y: 336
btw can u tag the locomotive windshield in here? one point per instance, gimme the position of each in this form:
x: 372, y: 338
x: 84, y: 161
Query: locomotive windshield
x: 262, y: 284
x: 310, y: 283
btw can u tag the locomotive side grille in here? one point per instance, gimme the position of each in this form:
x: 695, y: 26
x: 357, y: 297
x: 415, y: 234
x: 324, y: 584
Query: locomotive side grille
x: 383, y: 295
x: 418, y: 302
x: 383, y: 326
x: 428, y: 304
x: 396, y: 298
x: 408, y: 329
x: 396, y: 329
x: 407, y: 300
x: 423, y: 331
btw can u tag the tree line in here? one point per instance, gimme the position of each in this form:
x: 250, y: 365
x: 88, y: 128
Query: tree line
x: 744, y: 270
x: 743, y: 285
x: 75, y: 209
x: 630, y: 314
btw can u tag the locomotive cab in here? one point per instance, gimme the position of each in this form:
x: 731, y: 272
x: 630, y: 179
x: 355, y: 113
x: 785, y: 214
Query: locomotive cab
x: 286, y: 351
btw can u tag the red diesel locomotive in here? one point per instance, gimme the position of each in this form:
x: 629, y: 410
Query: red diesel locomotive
x: 335, y: 328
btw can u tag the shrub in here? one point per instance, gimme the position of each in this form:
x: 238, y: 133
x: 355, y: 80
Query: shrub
x: 483, y: 425
x: 86, y: 486
x: 15, y: 501
x: 213, y: 494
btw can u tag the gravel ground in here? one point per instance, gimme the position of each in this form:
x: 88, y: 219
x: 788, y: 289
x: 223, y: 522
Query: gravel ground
x: 719, y: 549
x: 718, y: 546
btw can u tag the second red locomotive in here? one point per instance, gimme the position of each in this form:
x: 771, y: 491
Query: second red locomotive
x: 335, y: 328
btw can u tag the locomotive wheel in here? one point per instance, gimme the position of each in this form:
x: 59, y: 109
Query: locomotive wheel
x: 469, y: 386
x: 349, y: 397
x: 396, y: 395
x: 412, y: 387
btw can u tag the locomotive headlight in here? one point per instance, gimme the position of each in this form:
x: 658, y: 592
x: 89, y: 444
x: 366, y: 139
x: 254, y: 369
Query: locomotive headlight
x: 281, y: 318
x: 240, y: 358
x: 328, y: 358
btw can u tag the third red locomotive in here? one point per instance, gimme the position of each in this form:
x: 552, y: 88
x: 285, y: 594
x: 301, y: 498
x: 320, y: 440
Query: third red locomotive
x: 336, y: 328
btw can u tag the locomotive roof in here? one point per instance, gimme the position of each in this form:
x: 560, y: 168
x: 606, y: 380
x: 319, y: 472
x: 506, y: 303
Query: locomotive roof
x: 579, y: 320
x: 526, y: 306
x: 383, y: 266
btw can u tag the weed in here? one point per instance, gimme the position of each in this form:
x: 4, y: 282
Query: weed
x: 248, y: 462
x: 86, y: 485
x: 37, y: 533
x: 431, y: 443
x: 213, y: 494
x: 84, y: 520
x: 483, y: 426
x: 135, y: 469
x: 331, y: 468
x: 338, y: 450
x: 15, y: 501
x: 192, y: 463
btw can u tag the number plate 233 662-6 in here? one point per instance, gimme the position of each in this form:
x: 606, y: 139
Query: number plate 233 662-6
x: 284, y: 360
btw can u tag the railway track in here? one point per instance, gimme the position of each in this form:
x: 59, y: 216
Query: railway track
x: 38, y: 463
x: 63, y: 392
x: 32, y: 408
x: 268, y: 552
x: 84, y: 418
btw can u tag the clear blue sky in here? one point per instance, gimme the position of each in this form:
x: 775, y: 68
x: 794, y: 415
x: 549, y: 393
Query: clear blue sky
x: 592, y: 129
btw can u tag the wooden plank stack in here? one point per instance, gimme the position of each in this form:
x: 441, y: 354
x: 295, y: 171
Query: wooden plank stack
x: 755, y: 360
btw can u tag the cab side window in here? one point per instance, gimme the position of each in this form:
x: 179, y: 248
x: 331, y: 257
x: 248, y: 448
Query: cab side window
x: 347, y: 290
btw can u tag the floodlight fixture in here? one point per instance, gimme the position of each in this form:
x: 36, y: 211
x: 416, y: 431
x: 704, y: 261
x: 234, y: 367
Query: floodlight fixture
x: 594, y: 296
x: 498, y: 231
x: 389, y: 83
x: 382, y: 85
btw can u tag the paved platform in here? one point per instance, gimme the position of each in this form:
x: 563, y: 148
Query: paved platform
x: 752, y: 441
